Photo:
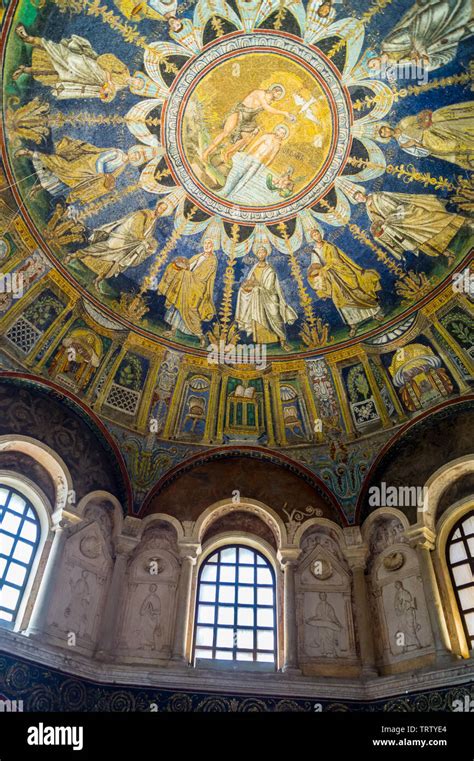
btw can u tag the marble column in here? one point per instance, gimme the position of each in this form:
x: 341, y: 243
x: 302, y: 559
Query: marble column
x: 37, y: 624
x: 110, y: 612
x: 357, y: 557
x: 189, y: 554
x: 289, y: 560
x: 423, y: 540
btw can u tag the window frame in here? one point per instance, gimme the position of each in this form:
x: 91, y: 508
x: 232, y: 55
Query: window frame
x: 33, y: 494
x: 235, y: 663
x: 468, y: 560
x: 35, y: 545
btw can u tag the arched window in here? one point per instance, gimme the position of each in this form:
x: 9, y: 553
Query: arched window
x: 235, y: 612
x: 19, y: 539
x: 460, y: 557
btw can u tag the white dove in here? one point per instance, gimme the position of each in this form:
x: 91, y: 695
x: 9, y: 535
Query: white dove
x: 305, y: 106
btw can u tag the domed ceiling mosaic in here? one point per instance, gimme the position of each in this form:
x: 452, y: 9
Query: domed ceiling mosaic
x: 240, y: 223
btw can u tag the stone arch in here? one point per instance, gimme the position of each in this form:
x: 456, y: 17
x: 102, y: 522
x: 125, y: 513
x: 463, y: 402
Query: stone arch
x: 324, y: 522
x: 223, y: 507
x: 50, y: 461
x: 444, y: 527
x: 417, y: 451
x: 437, y: 484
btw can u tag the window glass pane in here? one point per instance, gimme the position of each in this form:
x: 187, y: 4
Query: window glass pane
x: 457, y: 552
x: 264, y: 640
x: 17, y: 503
x: 5, y: 616
x: 457, y: 534
x: 6, y: 543
x: 227, y: 573
x: 266, y: 657
x: 29, y: 531
x: 463, y: 574
x: 11, y: 522
x: 265, y: 596
x: 225, y: 637
x: 264, y: 617
x: 227, y: 594
x: 245, y: 638
x: 470, y: 622
x: 246, y: 556
x: 209, y: 573
x: 246, y: 575
x: 23, y: 552
x: 204, y: 635
x: 468, y: 526
x: 245, y: 616
x: 264, y: 576
x: 206, y: 614
x: 226, y: 615
x: 9, y: 597
x: 224, y: 655
x: 466, y: 598
x: 246, y: 595
x: 243, y: 656
x: 203, y: 653
x: 4, y: 495
x: 228, y: 555
x: 470, y: 544
x: 16, y: 574
x: 231, y: 579
x: 207, y: 592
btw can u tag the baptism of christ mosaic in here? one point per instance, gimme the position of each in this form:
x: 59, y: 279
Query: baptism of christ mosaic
x: 296, y: 174
x: 258, y: 128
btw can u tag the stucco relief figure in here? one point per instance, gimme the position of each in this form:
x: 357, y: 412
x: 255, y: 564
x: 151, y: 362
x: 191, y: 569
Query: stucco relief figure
x: 405, y: 608
x: 72, y: 68
x: 262, y: 311
x: 447, y: 134
x: 328, y: 627
x: 76, y: 612
x: 411, y: 222
x: 321, y: 540
x: 352, y: 289
x: 385, y: 533
x: 429, y: 32
x: 188, y: 286
x: 149, y: 630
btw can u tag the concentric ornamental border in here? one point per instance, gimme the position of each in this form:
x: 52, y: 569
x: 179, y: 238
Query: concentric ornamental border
x: 256, y: 42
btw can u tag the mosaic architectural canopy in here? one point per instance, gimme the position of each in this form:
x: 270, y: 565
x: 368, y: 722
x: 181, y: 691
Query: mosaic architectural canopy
x: 240, y: 222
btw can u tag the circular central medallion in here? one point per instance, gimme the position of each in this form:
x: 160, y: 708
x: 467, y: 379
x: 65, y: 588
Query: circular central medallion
x: 257, y: 127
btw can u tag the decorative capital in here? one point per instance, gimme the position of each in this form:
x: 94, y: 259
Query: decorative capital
x: 62, y: 519
x: 132, y: 526
x: 353, y: 536
x: 124, y: 544
x: 357, y: 557
x: 421, y: 536
x: 288, y: 556
x: 189, y: 550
